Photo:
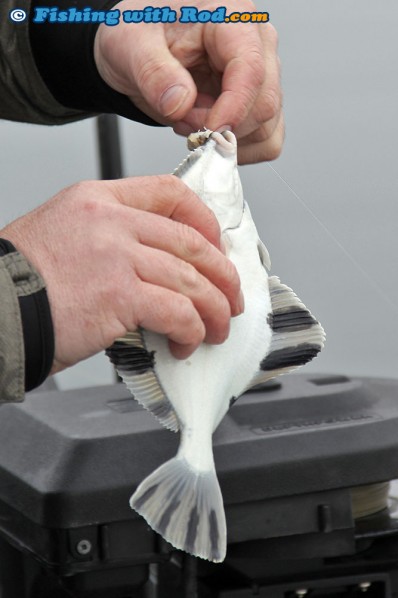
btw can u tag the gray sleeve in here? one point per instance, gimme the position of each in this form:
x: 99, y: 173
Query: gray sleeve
x: 17, y: 278
x: 23, y: 94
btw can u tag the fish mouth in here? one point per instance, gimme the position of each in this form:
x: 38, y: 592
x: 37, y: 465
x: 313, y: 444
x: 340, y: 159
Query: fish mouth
x: 225, y: 141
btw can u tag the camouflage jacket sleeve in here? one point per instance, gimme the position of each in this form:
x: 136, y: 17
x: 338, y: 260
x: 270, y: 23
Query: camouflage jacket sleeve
x: 11, y: 336
x: 23, y: 94
x: 24, y: 312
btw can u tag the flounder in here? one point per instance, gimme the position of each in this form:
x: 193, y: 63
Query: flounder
x: 182, y: 500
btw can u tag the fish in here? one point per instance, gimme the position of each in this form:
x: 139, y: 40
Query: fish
x: 276, y: 333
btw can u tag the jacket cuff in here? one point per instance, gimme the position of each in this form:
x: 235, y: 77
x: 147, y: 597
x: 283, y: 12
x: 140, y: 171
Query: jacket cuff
x: 28, y: 334
x: 64, y: 56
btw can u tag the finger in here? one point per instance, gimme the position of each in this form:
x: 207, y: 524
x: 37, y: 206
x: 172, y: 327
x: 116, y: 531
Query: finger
x: 167, y: 271
x: 264, y: 118
x: 166, y: 86
x: 191, y: 248
x: 237, y: 52
x: 268, y: 104
x: 169, y: 313
x: 262, y: 133
x: 168, y: 196
x: 251, y: 151
x: 197, y: 117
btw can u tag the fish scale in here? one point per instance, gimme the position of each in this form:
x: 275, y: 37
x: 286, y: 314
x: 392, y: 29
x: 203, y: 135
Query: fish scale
x: 275, y: 334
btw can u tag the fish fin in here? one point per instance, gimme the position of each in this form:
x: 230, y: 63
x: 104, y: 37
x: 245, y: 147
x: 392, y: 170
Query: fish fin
x: 297, y: 337
x: 192, y: 157
x: 135, y: 366
x: 264, y: 255
x: 186, y: 507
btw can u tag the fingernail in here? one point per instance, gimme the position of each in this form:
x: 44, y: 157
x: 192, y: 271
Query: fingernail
x: 217, y: 337
x: 172, y: 99
x: 241, y: 303
x: 224, y: 128
x: 181, y: 351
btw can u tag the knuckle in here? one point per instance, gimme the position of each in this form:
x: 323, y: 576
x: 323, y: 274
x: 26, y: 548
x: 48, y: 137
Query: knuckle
x: 148, y: 72
x: 193, y: 243
x: 189, y: 317
x: 183, y: 317
x: 78, y: 188
x: 189, y: 277
x: 256, y: 64
x: 231, y: 276
x: 275, y: 143
x: 107, y: 297
x: 173, y: 189
x: 172, y: 183
x: 218, y: 327
x: 272, y: 34
x: 177, y: 309
x: 157, y: 315
x: 197, y: 333
x: 269, y: 150
x: 274, y: 151
x: 223, y: 320
x: 83, y: 195
x: 271, y: 103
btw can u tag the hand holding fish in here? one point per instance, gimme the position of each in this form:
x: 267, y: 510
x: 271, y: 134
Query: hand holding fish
x: 196, y: 75
x: 116, y: 255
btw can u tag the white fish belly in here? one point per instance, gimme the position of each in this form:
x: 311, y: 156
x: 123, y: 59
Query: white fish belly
x: 201, y: 387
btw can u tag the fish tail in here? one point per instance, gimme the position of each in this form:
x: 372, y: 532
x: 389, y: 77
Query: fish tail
x: 185, y: 506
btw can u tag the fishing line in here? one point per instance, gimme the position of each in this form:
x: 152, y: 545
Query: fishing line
x: 349, y: 256
x: 374, y: 498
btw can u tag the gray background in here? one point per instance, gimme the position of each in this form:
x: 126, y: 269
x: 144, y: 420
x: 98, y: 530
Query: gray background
x: 330, y: 224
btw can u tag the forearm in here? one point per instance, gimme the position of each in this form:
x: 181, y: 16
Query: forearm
x: 47, y: 71
x: 64, y: 56
x: 23, y: 94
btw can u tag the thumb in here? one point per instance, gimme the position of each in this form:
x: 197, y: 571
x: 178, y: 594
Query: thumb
x: 166, y: 87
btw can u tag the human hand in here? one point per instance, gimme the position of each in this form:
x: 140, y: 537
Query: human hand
x: 196, y: 75
x: 116, y: 255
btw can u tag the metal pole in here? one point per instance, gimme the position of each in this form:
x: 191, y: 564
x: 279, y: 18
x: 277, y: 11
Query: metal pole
x: 109, y: 150
x: 189, y: 576
x: 109, y: 154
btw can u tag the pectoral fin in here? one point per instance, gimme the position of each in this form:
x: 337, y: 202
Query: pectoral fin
x: 297, y: 337
x: 135, y: 365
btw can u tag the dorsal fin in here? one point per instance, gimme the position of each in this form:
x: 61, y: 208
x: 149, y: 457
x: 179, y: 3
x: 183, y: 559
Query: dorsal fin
x: 136, y: 367
x: 297, y: 337
x: 264, y: 255
x: 192, y: 157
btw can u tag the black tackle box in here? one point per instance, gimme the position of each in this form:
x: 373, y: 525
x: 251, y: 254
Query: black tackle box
x: 288, y: 456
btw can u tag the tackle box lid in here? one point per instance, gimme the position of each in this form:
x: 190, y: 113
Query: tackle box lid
x: 73, y: 458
